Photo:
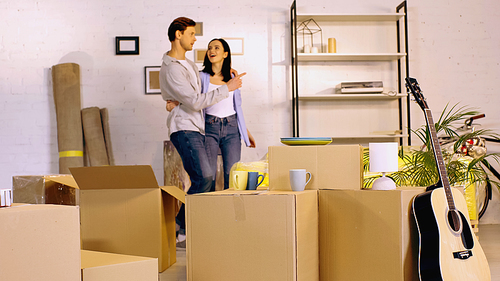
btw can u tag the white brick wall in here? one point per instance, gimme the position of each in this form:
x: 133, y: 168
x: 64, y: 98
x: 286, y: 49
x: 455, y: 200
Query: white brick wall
x: 454, y: 55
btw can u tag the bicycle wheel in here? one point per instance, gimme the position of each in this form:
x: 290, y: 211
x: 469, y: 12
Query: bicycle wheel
x: 485, y: 194
x: 483, y: 197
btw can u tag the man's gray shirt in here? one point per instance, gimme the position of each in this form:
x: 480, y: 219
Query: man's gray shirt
x: 176, y: 84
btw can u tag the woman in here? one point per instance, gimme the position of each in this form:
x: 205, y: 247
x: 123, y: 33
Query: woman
x: 224, y: 121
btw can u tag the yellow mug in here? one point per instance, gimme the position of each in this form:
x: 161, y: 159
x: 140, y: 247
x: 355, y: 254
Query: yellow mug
x: 239, y: 179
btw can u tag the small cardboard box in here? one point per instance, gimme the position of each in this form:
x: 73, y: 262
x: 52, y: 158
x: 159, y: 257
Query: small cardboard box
x: 42, y: 189
x: 40, y: 242
x: 100, y: 266
x: 124, y: 211
x: 331, y: 166
x: 252, y: 235
x: 368, y: 235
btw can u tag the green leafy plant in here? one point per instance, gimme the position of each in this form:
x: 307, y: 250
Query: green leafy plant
x: 418, y: 165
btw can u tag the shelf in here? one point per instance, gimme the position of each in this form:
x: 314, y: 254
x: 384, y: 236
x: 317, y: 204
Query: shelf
x: 351, y: 97
x: 351, y: 17
x: 349, y: 57
x: 371, y: 136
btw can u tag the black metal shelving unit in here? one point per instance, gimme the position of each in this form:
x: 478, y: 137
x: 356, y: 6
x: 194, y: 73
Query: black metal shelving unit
x: 402, y: 43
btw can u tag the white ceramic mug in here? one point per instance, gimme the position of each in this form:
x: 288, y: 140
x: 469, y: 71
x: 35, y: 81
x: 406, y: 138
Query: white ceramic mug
x: 240, y: 179
x: 298, y: 180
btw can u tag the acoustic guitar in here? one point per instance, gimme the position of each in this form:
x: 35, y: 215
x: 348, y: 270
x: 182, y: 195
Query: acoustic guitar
x: 448, y: 249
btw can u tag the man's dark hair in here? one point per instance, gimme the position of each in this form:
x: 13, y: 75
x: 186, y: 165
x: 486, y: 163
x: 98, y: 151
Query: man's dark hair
x: 226, y: 65
x: 180, y: 24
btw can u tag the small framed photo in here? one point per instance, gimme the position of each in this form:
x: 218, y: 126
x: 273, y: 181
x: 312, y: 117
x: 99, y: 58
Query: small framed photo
x: 198, y: 29
x: 152, y: 79
x: 127, y: 45
x: 199, y: 55
x: 236, y: 45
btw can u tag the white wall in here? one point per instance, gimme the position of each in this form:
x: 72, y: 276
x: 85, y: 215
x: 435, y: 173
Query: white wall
x: 454, y: 55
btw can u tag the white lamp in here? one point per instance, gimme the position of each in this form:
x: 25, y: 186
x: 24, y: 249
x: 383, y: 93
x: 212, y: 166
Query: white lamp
x: 383, y: 159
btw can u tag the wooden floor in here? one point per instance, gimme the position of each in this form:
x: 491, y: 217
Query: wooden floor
x: 489, y: 237
x: 177, y: 272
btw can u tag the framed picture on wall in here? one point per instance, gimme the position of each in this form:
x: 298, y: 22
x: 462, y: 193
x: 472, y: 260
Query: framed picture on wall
x: 198, y: 29
x: 236, y: 45
x: 152, y: 79
x: 127, y: 45
x: 199, y: 55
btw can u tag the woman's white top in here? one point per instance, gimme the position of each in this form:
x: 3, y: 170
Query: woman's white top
x: 222, y: 109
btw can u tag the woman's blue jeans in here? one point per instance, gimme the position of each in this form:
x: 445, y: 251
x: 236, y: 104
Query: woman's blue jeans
x: 223, y: 134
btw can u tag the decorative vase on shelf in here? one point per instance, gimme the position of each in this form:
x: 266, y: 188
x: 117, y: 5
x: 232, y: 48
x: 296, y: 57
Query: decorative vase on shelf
x: 307, y: 48
x: 308, y: 28
x: 332, y: 45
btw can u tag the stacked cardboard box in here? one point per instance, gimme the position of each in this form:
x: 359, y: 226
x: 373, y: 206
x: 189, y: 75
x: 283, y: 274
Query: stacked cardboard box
x: 364, y: 234
x: 331, y: 166
x: 123, y: 210
x: 39, y: 242
x: 41, y: 189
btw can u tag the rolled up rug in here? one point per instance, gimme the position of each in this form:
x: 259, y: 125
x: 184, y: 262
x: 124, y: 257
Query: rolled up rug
x: 107, y: 135
x: 66, y: 87
x: 94, y: 136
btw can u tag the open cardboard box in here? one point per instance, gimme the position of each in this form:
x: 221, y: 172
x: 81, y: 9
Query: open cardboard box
x: 99, y: 266
x: 124, y: 211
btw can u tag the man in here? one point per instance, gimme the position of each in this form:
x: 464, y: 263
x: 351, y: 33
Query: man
x: 180, y: 81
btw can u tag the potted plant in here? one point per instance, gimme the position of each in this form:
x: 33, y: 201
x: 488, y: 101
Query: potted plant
x: 418, y: 165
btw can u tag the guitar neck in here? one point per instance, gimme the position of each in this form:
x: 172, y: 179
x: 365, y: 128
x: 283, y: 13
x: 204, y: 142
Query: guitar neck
x: 436, y: 148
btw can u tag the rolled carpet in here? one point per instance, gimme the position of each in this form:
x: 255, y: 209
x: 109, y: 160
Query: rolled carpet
x: 107, y: 135
x: 66, y: 87
x: 94, y: 136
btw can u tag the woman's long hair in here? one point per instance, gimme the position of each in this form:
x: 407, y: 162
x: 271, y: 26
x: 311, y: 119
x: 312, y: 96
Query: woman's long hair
x: 226, y: 65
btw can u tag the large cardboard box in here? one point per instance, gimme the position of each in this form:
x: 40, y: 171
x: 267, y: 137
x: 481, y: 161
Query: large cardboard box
x: 368, y: 235
x: 100, y: 266
x: 252, y: 235
x: 41, y: 189
x: 331, y: 166
x: 124, y: 211
x: 39, y: 242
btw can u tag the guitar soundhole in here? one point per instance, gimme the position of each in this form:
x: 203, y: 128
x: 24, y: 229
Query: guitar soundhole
x: 454, y: 220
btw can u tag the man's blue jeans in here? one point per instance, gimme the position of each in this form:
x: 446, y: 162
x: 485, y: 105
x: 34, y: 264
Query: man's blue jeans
x: 191, y: 148
x: 223, y: 134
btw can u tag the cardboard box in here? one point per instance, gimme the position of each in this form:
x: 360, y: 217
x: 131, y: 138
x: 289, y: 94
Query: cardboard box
x: 39, y: 242
x: 100, y: 266
x: 124, y: 211
x: 42, y: 189
x: 331, y: 166
x: 252, y: 235
x: 368, y: 235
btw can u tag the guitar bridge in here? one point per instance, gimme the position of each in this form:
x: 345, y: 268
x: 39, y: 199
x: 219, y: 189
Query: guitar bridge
x: 462, y: 255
